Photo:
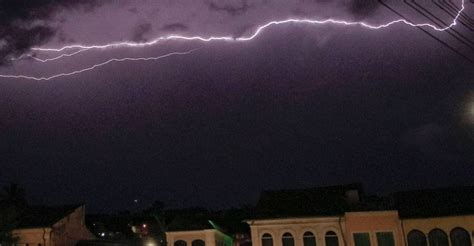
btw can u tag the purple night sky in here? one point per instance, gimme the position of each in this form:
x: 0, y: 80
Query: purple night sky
x: 300, y: 105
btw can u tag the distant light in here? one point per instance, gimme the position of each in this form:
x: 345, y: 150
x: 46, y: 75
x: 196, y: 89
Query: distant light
x: 470, y: 110
x: 102, y: 234
x: 150, y: 243
x: 144, y: 225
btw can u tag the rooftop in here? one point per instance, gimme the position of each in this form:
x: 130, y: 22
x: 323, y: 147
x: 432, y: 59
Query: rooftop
x: 318, y: 201
x: 44, y: 216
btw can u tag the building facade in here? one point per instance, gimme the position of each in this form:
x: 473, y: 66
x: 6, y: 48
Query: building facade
x: 207, y: 237
x: 439, y: 231
x: 296, y: 231
x: 372, y: 228
x: 63, y: 226
x: 382, y: 228
x: 343, y: 216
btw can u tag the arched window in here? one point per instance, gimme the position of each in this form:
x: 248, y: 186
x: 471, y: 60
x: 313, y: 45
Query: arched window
x: 331, y: 239
x: 438, y: 237
x: 309, y: 239
x: 416, y: 238
x: 267, y: 240
x: 287, y: 239
x: 460, y: 237
x: 198, y: 242
x: 180, y: 243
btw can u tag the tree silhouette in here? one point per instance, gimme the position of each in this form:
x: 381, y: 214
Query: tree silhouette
x: 12, y: 204
x: 13, y: 194
x: 158, y: 213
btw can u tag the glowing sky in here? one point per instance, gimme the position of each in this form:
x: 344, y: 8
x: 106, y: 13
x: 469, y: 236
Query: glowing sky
x: 80, y: 35
x: 299, y: 105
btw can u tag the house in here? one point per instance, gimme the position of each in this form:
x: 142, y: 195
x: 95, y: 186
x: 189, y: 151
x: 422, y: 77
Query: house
x: 366, y: 228
x: 343, y: 216
x: 195, y: 228
x: 304, y: 217
x: 440, y: 217
x: 205, y: 237
x: 52, y: 226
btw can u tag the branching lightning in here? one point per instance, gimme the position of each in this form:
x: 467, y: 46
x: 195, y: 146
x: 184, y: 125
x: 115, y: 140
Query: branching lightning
x: 49, y: 59
x: 80, y: 48
x: 98, y: 65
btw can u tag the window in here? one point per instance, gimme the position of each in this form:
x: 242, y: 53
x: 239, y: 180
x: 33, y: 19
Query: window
x: 287, y: 240
x: 460, y: 237
x: 416, y: 238
x: 198, y: 242
x: 361, y: 239
x: 438, y: 237
x: 267, y: 240
x: 180, y: 243
x: 309, y: 239
x: 385, y: 239
x: 331, y: 239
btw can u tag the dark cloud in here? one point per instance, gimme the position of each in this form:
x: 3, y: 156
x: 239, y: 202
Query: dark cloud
x: 24, y: 23
x: 133, y: 10
x: 243, y: 30
x: 175, y: 27
x: 440, y: 142
x: 140, y: 31
x: 363, y: 8
x: 315, y: 1
x: 427, y: 137
x: 231, y: 9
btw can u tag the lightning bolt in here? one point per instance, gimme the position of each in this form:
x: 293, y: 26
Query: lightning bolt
x: 259, y: 30
x: 98, y: 65
x: 49, y: 59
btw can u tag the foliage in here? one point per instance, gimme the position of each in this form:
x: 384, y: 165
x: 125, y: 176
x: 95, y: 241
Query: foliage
x: 12, y: 203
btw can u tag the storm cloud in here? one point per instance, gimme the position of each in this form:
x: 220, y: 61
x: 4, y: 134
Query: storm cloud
x: 140, y: 31
x: 231, y: 9
x: 175, y: 27
x: 363, y: 8
x: 26, y: 23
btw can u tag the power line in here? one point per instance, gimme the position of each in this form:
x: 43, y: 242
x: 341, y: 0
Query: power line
x: 429, y: 34
x: 454, y: 8
x: 461, y: 38
x: 453, y: 15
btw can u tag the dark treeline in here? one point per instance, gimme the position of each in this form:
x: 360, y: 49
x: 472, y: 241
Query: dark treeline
x: 12, y: 206
x: 152, y: 222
